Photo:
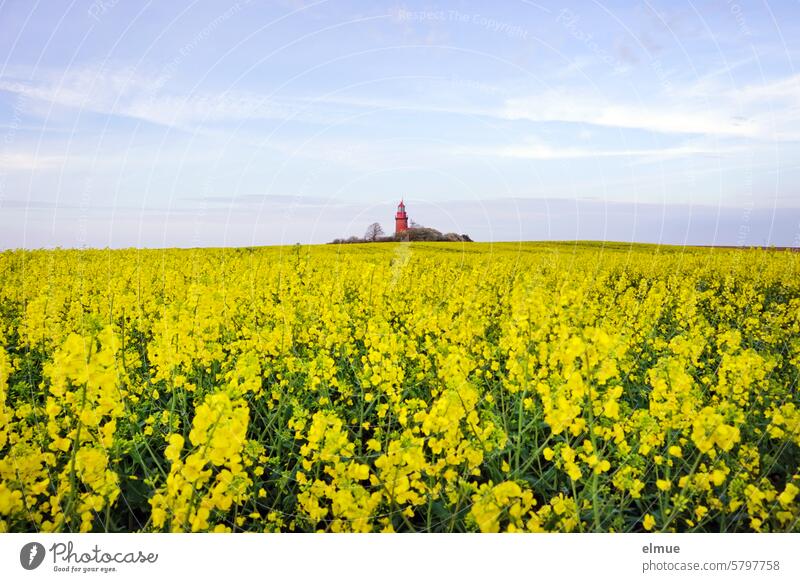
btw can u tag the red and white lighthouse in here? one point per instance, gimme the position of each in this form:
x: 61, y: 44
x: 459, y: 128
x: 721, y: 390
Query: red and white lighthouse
x: 400, y: 219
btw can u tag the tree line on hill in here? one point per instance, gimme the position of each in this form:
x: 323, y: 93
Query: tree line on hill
x: 416, y: 232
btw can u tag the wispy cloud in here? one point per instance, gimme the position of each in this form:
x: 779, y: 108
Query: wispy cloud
x: 28, y: 162
x: 282, y: 200
x: 706, y: 107
x: 542, y: 151
x: 128, y: 93
x: 563, y: 105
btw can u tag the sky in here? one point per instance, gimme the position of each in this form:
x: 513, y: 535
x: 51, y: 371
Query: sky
x: 126, y: 123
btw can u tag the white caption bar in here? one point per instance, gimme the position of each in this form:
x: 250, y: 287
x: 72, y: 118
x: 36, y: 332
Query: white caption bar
x: 387, y: 557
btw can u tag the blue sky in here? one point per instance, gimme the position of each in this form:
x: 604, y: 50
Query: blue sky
x: 130, y: 123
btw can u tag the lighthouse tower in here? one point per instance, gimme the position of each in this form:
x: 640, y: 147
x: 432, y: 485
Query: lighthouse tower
x: 400, y: 219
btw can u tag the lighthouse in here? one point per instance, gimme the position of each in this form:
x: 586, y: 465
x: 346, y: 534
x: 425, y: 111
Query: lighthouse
x: 400, y: 219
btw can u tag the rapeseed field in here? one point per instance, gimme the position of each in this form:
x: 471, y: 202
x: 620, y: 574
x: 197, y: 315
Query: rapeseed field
x: 416, y: 387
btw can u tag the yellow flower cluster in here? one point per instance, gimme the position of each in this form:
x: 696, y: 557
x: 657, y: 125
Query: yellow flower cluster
x: 410, y: 387
x: 332, y: 482
x: 212, y: 476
